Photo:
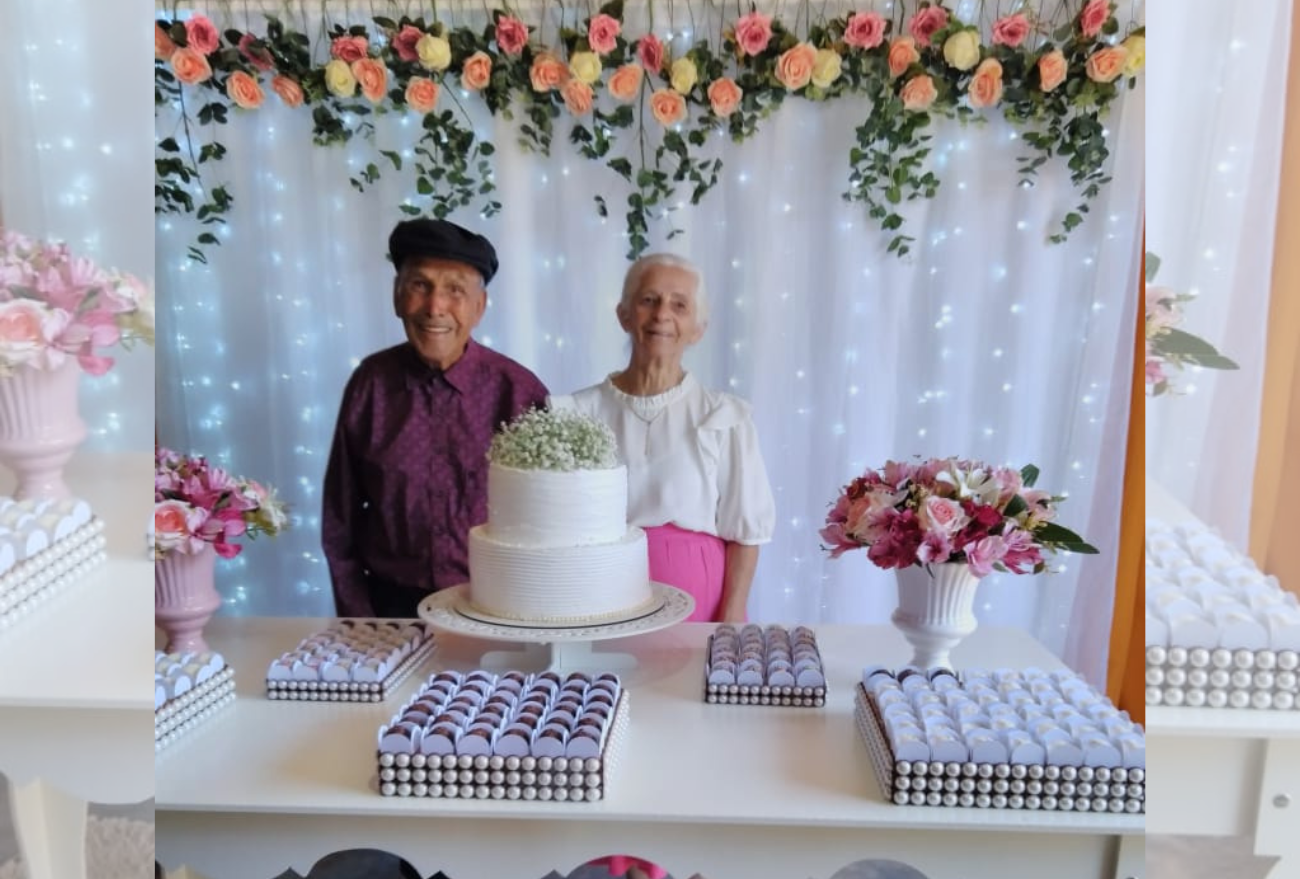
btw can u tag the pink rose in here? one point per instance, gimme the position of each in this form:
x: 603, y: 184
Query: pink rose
x: 650, y: 52
x: 373, y: 77
x: 163, y: 47
x: 404, y: 42
x: 919, y: 93
x: 421, y: 94
x: 511, y: 35
x: 1011, y: 30
x: 189, y: 66
x: 27, y: 330
x: 926, y: 22
x: 288, y: 90
x: 724, y: 96
x: 668, y: 107
x: 626, y: 82
x: 1052, y: 68
x: 865, y: 30
x: 350, y: 50
x: 201, y: 35
x: 753, y: 32
x: 942, y: 516
x: 902, y: 55
x: 547, y: 72
x: 602, y: 33
x: 985, y: 88
x: 477, y: 72
x: 577, y: 96
x: 1105, y: 65
x: 255, y: 55
x: 176, y: 525
x: 794, y: 67
x: 983, y: 554
x: 1093, y: 16
x: 244, y: 90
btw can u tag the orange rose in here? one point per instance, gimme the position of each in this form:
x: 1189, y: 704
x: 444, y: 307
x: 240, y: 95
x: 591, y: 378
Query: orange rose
x: 190, y: 67
x: 902, y: 55
x: 1105, y: 65
x: 477, y: 72
x: 795, y: 66
x: 724, y: 96
x: 577, y: 96
x: 421, y: 94
x: 668, y: 106
x: 288, y: 90
x: 244, y: 90
x: 1052, y: 68
x: 918, y: 93
x: 626, y: 82
x: 985, y: 88
x: 373, y: 77
x: 548, y: 72
x: 163, y: 47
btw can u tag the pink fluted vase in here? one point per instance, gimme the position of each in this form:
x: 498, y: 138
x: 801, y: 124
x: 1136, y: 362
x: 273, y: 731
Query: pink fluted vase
x: 935, y: 610
x: 40, y: 427
x: 185, y: 597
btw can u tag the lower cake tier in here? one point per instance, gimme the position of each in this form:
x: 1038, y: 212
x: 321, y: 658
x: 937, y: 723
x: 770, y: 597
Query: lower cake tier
x: 561, y: 583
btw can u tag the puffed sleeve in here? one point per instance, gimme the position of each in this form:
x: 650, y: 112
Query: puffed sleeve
x: 746, y: 510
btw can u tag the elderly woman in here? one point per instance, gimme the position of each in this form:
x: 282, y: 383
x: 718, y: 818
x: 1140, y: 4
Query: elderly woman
x: 696, y: 480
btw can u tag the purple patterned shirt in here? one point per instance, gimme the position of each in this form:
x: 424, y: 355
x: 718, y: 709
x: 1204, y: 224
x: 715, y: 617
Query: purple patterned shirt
x: 407, y: 475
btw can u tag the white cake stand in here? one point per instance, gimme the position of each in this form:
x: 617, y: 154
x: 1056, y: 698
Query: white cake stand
x: 554, y: 646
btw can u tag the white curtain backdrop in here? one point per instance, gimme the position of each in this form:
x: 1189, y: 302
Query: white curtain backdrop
x: 1212, y: 205
x: 73, y: 143
x: 985, y: 342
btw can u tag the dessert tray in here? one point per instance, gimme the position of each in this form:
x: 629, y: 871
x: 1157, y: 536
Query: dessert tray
x: 44, y: 546
x: 351, y: 661
x: 758, y: 665
x: 188, y: 689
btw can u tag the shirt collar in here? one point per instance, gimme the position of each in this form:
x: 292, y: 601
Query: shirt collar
x: 459, y: 376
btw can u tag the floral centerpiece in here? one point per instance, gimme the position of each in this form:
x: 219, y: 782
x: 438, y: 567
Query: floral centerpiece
x: 1166, y: 345
x: 196, y: 504
x: 55, y: 306
x: 544, y: 439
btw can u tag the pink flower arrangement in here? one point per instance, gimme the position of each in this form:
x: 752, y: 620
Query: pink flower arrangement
x: 948, y: 510
x: 54, y: 305
x: 196, y: 503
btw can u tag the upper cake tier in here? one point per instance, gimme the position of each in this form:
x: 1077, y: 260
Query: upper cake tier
x: 545, y: 508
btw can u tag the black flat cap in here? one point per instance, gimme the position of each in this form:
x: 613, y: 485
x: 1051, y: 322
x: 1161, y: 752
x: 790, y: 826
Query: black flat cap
x: 441, y: 239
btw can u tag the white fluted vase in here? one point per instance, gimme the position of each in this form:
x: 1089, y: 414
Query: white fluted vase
x: 40, y: 427
x: 935, y: 610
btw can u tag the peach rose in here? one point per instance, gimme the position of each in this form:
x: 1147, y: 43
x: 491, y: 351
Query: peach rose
x: 753, y: 32
x: 650, y: 52
x: 256, y: 55
x: 865, y: 30
x: 434, y: 52
x: 201, y: 35
x: 985, y: 87
x: 547, y: 72
x: 795, y: 66
x: 585, y: 66
x: 1136, y: 46
x: 1105, y: 65
x: 626, y: 82
x: 511, y: 35
x: 924, y: 24
x: 918, y: 93
x: 962, y: 49
x: 602, y: 33
x: 288, y: 90
x: 176, y: 526
x: 1052, y: 68
x: 724, y: 96
x: 1011, y: 30
x: 477, y: 72
x: 163, y: 47
x: 189, y: 66
x: 1093, y: 16
x: 339, y: 79
x: 421, y: 94
x: 902, y: 55
x: 668, y: 106
x: 683, y: 75
x: 25, y: 330
x: 244, y: 90
x: 373, y: 76
x: 350, y: 49
x: 404, y: 42
x: 577, y: 97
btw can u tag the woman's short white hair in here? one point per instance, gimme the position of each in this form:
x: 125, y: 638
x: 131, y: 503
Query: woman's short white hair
x: 632, y: 281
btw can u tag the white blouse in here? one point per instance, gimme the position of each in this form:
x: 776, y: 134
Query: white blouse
x: 692, y: 458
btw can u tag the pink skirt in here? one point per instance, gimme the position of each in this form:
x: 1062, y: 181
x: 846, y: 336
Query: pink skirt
x: 693, y: 562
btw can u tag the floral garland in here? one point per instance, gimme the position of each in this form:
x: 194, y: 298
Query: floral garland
x: 1055, y: 81
x: 1166, y: 346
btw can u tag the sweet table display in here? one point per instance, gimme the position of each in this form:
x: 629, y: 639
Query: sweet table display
x: 351, y: 661
x: 45, y: 545
x: 700, y: 788
x: 188, y: 689
x: 764, y: 666
x: 1217, y: 772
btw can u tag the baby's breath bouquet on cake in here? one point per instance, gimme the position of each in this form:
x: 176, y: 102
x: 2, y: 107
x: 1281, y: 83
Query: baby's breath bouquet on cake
x: 543, y: 439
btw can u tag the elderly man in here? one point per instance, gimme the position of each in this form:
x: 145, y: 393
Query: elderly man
x: 407, y: 474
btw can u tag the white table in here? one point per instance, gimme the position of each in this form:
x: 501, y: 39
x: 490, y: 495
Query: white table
x: 722, y: 790
x: 1215, y: 772
x: 75, y: 680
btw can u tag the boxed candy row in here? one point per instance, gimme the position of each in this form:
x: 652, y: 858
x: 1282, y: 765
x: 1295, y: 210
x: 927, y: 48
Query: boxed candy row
x: 34, y: 579
x: 175, y: 674
x: 757, y: 662
x: 1262, y: 680
x: 351, y: 655
x: 30, y: 526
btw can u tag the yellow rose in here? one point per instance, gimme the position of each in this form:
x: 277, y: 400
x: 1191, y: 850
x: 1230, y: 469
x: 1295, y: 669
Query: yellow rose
x: 585, y: 66
x: 434, y: 52
x: 826, y: 69
x: 339, y: 79
x: 1137, y: 54
x: 683, y: 75
x: 962, y: 50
